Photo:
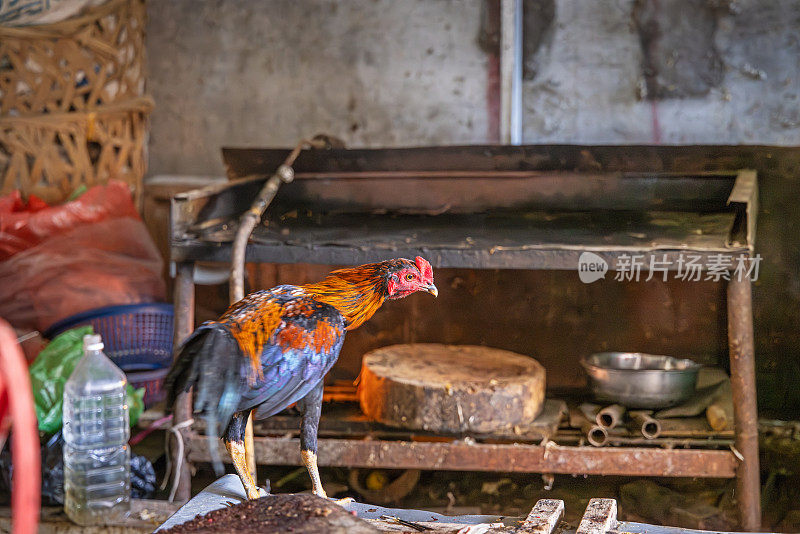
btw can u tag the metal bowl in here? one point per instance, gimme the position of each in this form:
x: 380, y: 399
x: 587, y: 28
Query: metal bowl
x: 639, y: 380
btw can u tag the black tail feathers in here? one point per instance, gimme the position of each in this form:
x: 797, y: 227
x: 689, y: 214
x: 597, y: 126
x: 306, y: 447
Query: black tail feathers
x: 209, y: 361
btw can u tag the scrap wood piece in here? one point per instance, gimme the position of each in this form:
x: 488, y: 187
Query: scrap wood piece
x: 719, y: 416
x: 720, y: 412
x: 340, y: 391
x: 543, y: 518
x: 600, y: 517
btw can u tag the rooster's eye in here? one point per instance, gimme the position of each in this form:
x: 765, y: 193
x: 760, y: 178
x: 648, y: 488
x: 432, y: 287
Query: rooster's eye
x: 409, y: 277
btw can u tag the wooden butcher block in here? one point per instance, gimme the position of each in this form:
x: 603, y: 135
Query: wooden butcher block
x: 451, y: 388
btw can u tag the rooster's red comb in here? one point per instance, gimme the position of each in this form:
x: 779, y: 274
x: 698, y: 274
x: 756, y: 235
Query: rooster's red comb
x: 425, y: 269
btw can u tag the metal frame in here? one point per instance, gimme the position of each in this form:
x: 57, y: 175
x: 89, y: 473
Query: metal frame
x: 460, y: 455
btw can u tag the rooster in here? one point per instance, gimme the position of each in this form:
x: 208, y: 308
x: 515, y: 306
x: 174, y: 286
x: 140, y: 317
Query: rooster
x: 273, y: 348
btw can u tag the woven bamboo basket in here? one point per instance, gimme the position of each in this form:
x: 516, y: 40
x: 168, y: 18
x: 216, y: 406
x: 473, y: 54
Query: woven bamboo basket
x: 51, y: 155
x: 74, y: 65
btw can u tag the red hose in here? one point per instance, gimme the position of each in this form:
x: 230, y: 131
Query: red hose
x: 16, y: 405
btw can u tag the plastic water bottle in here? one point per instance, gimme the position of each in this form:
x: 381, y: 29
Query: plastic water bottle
x: 97, y: 462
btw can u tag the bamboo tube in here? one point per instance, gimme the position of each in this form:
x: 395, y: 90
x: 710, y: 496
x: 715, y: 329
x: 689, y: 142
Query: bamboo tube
x: 643, y: 422
x: 611, y: 416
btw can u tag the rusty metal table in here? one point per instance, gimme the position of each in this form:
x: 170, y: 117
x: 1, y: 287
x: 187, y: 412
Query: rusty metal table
x: 487, y: 208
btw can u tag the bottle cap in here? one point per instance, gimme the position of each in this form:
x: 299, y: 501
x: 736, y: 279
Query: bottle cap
x: 92, y: 342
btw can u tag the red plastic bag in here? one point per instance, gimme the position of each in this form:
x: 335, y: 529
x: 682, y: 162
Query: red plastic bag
x: 23, y: 226
x: 93, y: 265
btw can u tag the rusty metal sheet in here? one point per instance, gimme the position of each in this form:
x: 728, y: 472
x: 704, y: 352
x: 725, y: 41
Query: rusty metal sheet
x: 531, y: 258
x: 454, y: 192
x: 470, y: 191
x: 498, y: 239
x: 479, y: 207
x: 544, y: 259
x: 253, y: 161
x: 461, y: 456
x: 497, y: 232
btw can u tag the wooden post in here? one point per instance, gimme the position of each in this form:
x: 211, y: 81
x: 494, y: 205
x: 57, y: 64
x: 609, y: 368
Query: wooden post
x: 184, y: 325
x: 743, y: 383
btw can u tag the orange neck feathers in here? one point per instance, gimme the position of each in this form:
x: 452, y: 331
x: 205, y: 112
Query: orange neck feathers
x: 356, y: 293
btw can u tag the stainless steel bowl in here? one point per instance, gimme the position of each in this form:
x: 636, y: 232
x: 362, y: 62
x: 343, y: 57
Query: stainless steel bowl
x: 639, y: 380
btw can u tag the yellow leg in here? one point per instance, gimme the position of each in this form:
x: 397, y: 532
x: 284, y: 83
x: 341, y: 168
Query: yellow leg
x: 249, y: 447
x: 237, y: 452
x: 310, y: 461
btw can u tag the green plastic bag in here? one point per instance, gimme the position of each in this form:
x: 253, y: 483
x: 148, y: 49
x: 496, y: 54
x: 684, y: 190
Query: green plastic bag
x: 50, y: 371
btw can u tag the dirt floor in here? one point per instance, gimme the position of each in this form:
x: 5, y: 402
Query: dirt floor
x: 278, y: 513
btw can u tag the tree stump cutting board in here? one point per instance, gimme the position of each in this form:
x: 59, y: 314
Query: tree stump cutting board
x: 451, y: 388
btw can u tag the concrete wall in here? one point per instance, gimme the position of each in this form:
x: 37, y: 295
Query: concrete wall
x: 414, y: 72
x: 590, y: 83
x: 250, y: 73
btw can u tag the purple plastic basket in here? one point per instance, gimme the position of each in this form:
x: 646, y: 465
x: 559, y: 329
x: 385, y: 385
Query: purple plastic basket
x: 137, y: 337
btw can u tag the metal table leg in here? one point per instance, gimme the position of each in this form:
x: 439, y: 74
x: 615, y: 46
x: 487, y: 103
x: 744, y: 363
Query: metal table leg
x: 184, y: 325
x: 743, y: 382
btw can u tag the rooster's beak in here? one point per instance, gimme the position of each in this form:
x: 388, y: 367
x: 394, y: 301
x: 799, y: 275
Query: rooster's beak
x: 430, y: 288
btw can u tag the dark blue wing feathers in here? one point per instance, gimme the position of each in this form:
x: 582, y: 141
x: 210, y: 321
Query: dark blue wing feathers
x: 295, y: 358
x: 291, y: 363
x: 297, y: 373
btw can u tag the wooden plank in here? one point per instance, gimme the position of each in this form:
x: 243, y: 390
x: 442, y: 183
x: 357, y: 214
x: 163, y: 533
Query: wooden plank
x: 469, y: 456
x: 543, y: 518
x: 600, y: 517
